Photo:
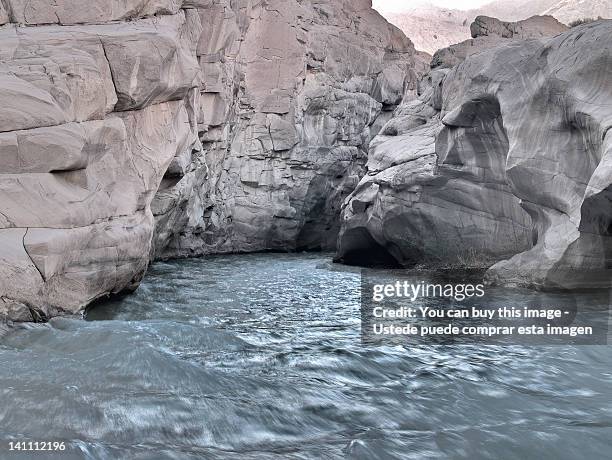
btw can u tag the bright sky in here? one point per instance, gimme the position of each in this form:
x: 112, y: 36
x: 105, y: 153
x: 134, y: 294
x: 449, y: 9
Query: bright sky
x: 397, y: 6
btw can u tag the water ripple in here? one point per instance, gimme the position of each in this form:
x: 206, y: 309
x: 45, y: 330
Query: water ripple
x: 259, y: 356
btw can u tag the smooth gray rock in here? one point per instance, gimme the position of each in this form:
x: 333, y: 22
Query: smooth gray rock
x: 147, y: 129
x: 513, y: 171
x: 153, y: 61
x: 75, y: 205
x: 55, y: 75
x: 93, y: 118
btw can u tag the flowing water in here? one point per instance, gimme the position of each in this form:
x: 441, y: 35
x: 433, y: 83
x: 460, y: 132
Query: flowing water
x: 259, y: 356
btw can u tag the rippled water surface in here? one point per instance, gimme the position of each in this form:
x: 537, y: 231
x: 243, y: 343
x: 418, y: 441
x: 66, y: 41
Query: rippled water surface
x: 259, y: 356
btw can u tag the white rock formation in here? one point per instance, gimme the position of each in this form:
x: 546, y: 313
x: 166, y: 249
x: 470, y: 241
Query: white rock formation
x: 506, y: 159
x: 567, y: 11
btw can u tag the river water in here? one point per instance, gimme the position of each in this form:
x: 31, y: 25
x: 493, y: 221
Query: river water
x: 259, y: 357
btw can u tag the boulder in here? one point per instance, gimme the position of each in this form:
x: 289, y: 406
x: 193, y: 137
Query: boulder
x: 55, y: 75
x: 94, y: 117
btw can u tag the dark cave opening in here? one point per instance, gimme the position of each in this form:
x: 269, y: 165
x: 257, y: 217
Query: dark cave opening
x: 361, y: 250
x: 596, y: 213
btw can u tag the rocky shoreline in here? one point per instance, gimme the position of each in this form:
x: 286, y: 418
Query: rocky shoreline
x: 143, y: 130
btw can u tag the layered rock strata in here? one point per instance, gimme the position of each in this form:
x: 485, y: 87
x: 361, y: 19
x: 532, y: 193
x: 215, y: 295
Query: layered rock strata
x: 503, y: 161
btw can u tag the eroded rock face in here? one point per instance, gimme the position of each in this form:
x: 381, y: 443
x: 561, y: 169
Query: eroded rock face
x: 504, y: 161
x: 433, y: 27
x: 136, y: 129
x: 93, y: 117
x: 68, y: 12
x: 293, y: 92
x: 425, y: 199
x: 139, y: 129
x: 491, y: 32
x: 3, y: 14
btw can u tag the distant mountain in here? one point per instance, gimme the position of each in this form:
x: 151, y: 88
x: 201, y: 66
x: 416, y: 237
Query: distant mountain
x: 432, y: 28
x: 570, y: 10
x: 564, y: 10
x: 514, y: 10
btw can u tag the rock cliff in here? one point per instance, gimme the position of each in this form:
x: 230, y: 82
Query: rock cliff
x: 141, y: 128
x: 502, y: 161
x: 491, y: 32
x: 293, y: 92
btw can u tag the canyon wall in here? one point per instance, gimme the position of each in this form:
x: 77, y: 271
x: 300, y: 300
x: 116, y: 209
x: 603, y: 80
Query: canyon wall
x: 502, y: 161
x: 140, y: 129
x: 293, y: 92
x: 156, y: 128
